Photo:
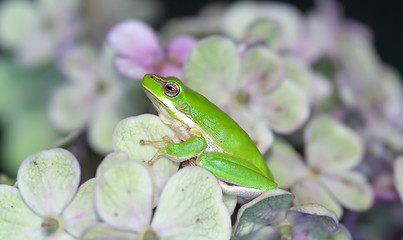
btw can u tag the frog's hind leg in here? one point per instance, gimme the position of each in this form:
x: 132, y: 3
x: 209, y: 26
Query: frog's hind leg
x: 234, y: 170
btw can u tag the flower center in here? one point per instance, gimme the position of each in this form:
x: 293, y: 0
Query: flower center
x: 149, y: 234
x: 313, y: 172
x: 241, y: 98
x: 102, y: 87
x: 50, y: 225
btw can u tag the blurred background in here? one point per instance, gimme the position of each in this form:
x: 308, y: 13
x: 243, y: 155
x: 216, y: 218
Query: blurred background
x: 382, y: 17
x: 58, y: 86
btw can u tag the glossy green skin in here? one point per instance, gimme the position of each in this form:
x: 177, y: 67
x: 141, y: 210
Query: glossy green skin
x: 220, y: 144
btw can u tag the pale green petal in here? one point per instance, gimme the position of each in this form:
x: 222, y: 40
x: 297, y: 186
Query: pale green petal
x: 308, y: 231
x: 110, y: 159
x: 262, y: 69
x: 127, y: 136
x: 332, y: 146
x: 390, y: 94
x: 351, y: 189
x: 18, y: 18
x: 191, y: 207
x: 359, y: 57
x: 266, y: 30
x: 386, y: 133
x: 267, y: 209
x: 258, y: 130
x: 48, y: 180
x: 80, y: 65
x: 239, y: 16
x: 104, y: 232
x: 321, y: 88
x: 213, y: 66
x: 311, y: 191
x: 123, y: 196
x: 286, y: 107
x: 342, y: 234
x: 398, y: 172
x: 265, y: 233
x: 105, y: 115
x: 60, y: 236
x: 70, y: 106
x: 230, y: 202
x: 313, y: 214
x: 80, y: 214
x: 38, y: 50
x: 17, y: 220
x: 298, y: 71
x: 286, y: 164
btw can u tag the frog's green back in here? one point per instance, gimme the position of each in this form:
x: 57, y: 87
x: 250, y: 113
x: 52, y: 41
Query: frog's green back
x: 226, y: 132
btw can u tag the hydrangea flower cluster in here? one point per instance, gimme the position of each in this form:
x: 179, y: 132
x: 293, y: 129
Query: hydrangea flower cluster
x: 129, y: 199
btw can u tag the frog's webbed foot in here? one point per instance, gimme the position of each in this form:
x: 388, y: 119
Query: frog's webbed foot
x: 153, y: 159
x: 160, y: 144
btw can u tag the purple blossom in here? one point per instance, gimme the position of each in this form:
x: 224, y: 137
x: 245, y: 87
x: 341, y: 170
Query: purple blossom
x: 141, y: 52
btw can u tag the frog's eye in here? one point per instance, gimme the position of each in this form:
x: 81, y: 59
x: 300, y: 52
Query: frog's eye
x: 172, y: 89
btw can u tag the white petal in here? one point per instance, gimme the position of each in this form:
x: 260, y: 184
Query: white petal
x: 191, y: 207
x: 48, y: 180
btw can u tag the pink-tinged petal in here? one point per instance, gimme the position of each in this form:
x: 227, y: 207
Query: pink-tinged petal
x: 132, y: 69
x: 390, y: 94
x: 170, y: 69
x: 179, y: 48
x: 351, y: 189
x: 136, y: 40
x: 321, y: 27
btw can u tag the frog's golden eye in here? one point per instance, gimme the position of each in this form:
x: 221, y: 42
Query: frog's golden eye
x: 172, y: 89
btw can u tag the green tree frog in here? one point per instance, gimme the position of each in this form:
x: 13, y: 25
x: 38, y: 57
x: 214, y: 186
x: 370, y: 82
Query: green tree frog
x: 211, y: 139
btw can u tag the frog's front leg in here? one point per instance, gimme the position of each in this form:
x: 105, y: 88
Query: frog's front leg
x: 236, y: 171
x: 177, y: 152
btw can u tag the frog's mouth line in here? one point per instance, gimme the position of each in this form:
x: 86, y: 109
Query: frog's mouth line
x: 158, y: 104
x: 167, y: 109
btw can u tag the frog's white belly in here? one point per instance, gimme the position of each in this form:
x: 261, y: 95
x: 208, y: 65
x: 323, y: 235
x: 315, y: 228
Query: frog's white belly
x: 186, y: 127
